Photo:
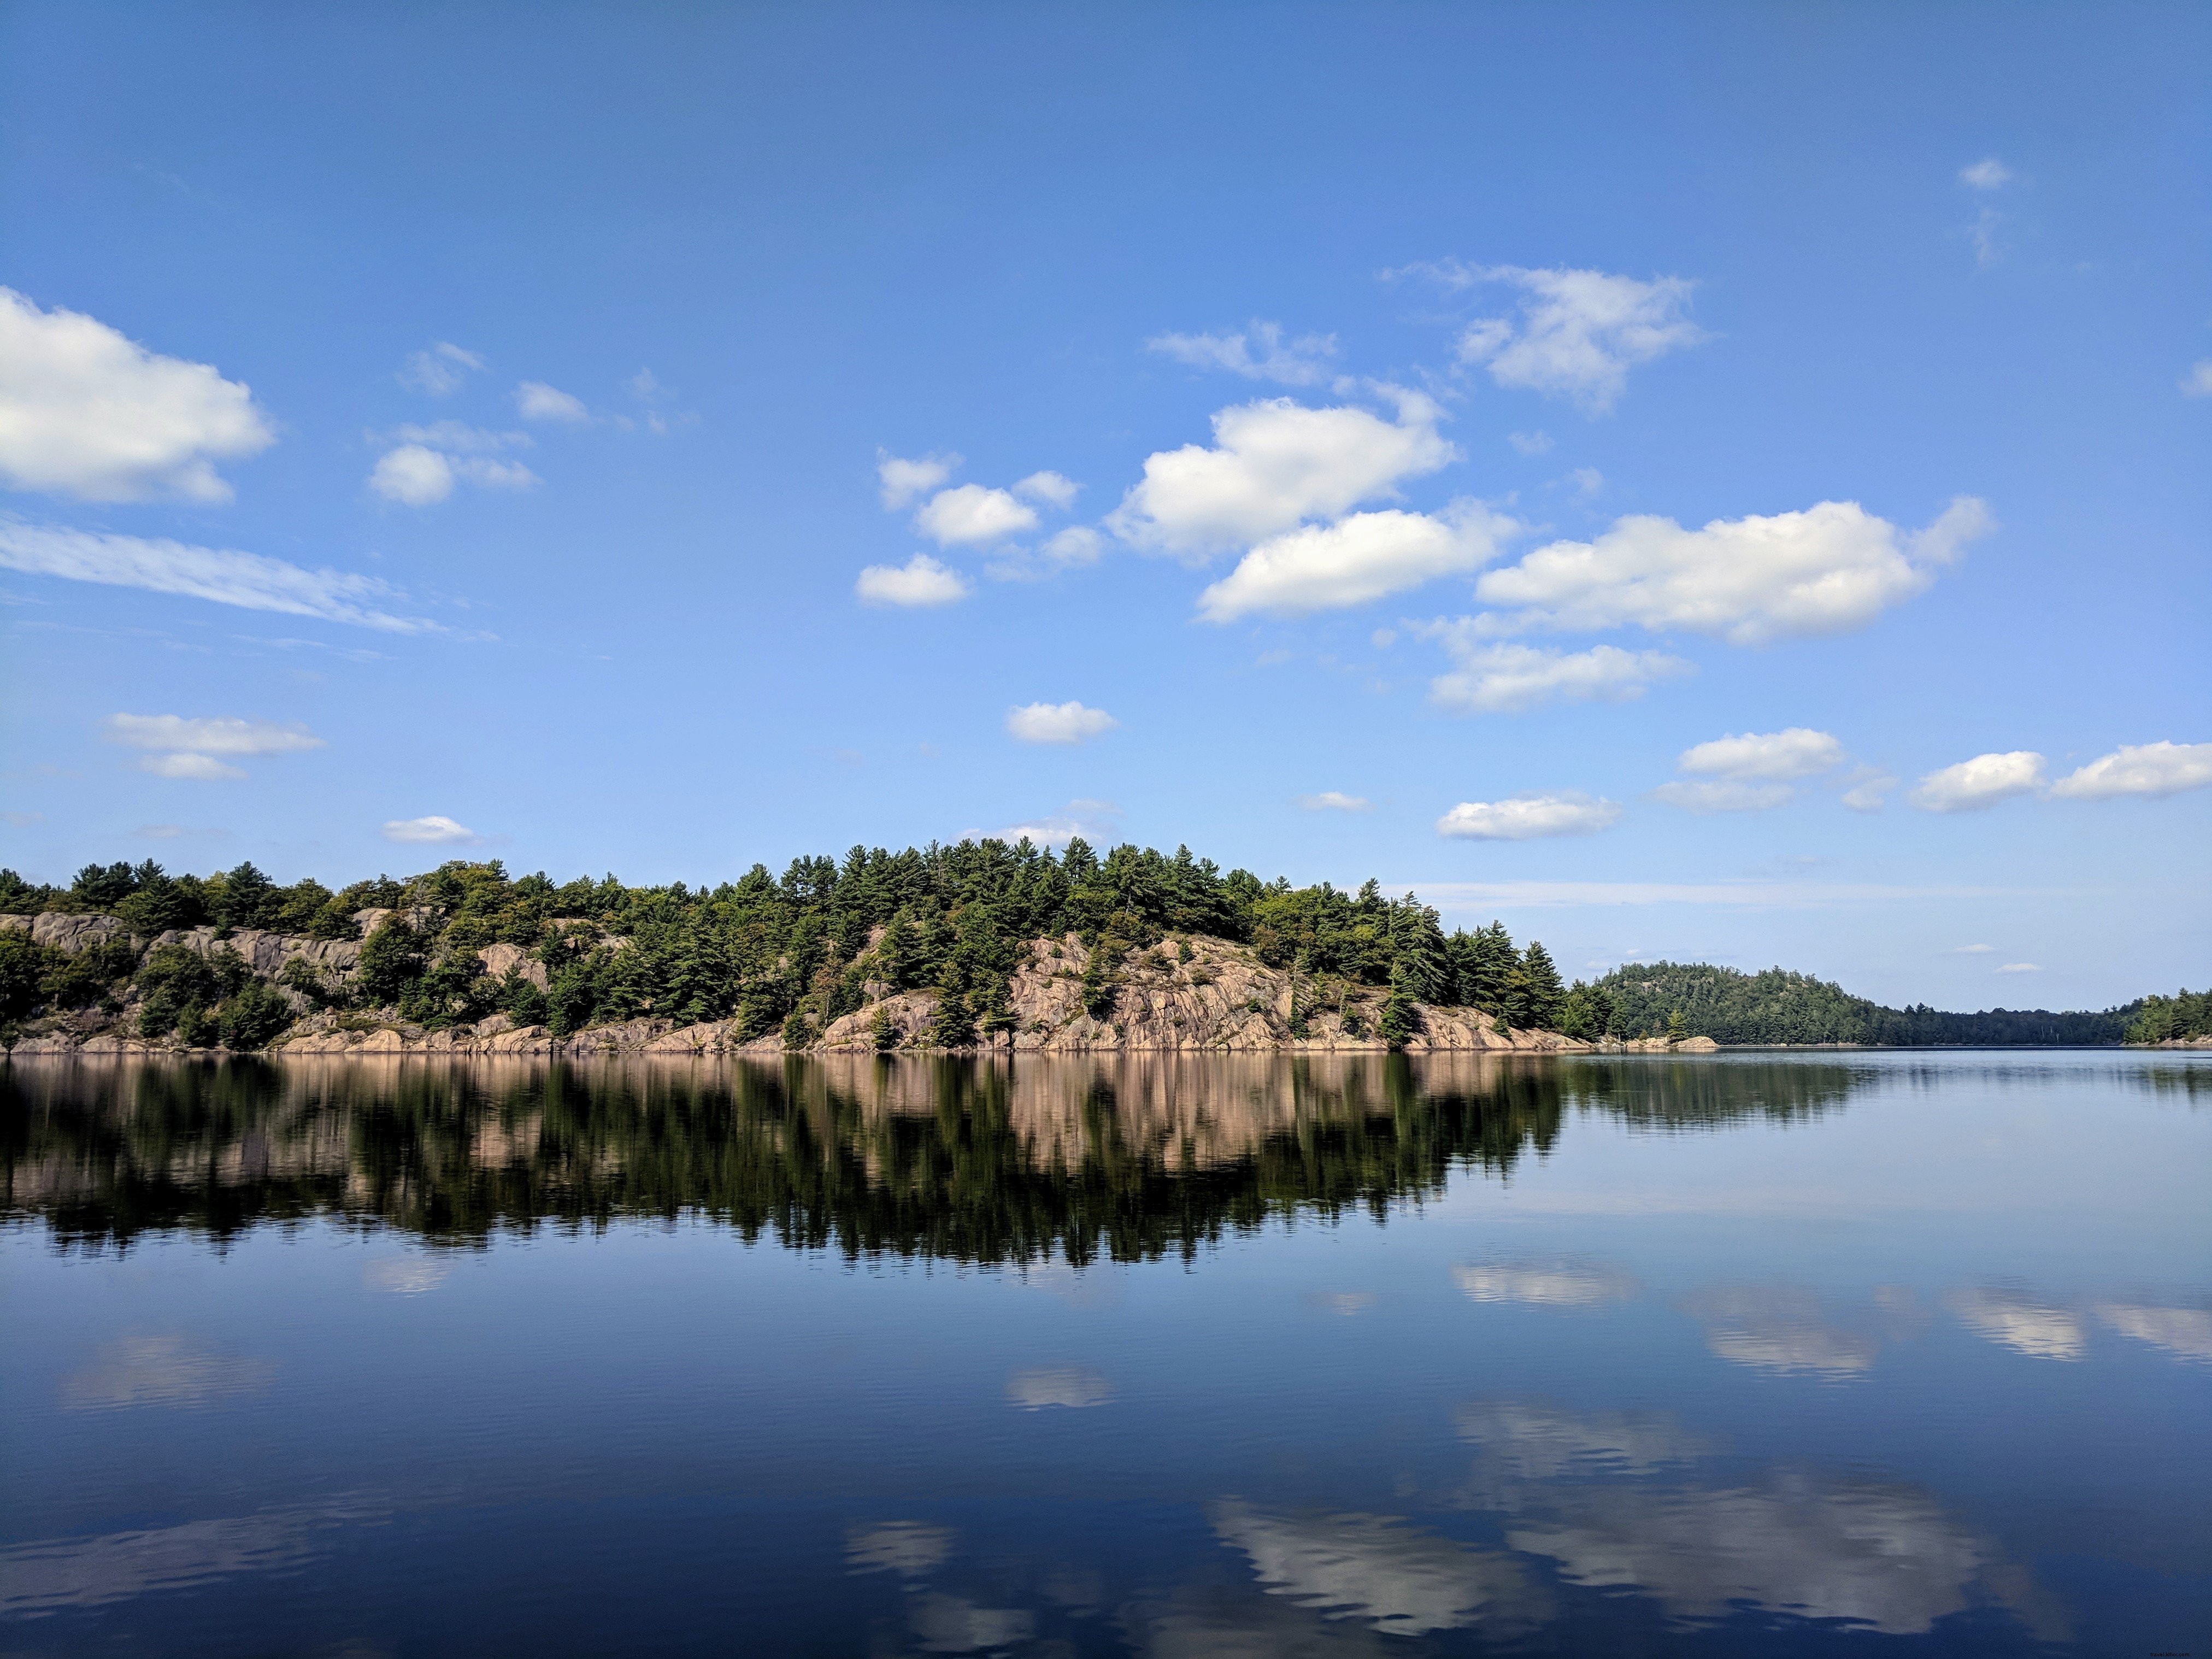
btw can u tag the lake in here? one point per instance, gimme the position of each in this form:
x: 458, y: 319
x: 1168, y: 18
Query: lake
x: 1745, y: 1353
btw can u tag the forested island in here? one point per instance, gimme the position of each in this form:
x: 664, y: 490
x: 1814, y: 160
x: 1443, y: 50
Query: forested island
x: 976, y: 945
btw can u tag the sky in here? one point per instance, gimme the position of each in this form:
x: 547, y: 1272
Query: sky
x: 1712, y: 483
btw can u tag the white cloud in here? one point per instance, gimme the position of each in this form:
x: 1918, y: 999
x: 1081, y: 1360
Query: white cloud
x: 1076, y: 544
x: 1066, y: 550
x: 1495, y: 679
x: 416, y: 475
x: 1526, y: 816
x: 1587, y: 480
x: 2019, y: 968
x: 204, y: 768
x: 1987, y: 174
x: 1049, y: 488
x: 1058, y: 722
x: 1258, y: 353
x: 534, y: 400
x: 246, y: 580
x: 2150, y: 768
x: 1579, y: 332
x: 196, y: 742
x: 1982, y: 233
x: 413, y: 476
x: 1530, y: 443
x: 971, y: 514
x: 439, y: 371
x: 86, y: 412
x: 436, y: 831
x: 921, y: 580
x: 2198, y: 383
x: 1869, y: 789
x: 1329, y: 566
x: 1982, y: 782
x: 1331, y: 800
x: 1973, y: 950
x: 1747, y: 580
x: 903, y: 481
x: 1723, y: 795
x: 210, y: 737
x: 1093, y: 820
x: 1275, y: 465
x: 1794, y: 752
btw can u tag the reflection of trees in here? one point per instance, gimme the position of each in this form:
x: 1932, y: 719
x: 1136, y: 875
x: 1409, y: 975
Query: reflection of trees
x: 1130, y: 1157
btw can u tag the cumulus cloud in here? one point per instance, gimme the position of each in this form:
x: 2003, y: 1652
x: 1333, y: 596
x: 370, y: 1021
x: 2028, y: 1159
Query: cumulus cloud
x: 440, y: 371
x: 85, y: 411
x: 1982, y: 782
x: 2198, y: 383
x: 1749, y: 772
x: 1869, y: 789
x: 971, y: 515
x: 534, y: 400
x: 1355, y: 559
x: 1059, y: 722
x: 414, y: 475
x: 1578, y: 333
x: 1258, y: 352
x: 1988, y: 173
x: 1064, y: 550
x: 1332, y: 800
x: 921, y: 580
x: 2021, y: 968
x: 1494, y: 679
x: 246, y: 580
x: 1093, y: 820
x: 1276, y: 464
x: 1530, y: 443
x: 2150, y: 768
x: 1049, y: 488
x: 211, y: 736
x: 1747, y: 580
x: 455, y: 437
x: 435, y: 830
x: 1527, y: 816
x: 904, y: 481
x: 1794, y: 752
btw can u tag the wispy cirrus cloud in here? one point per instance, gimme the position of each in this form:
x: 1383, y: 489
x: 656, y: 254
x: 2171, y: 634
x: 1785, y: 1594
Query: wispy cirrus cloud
x: 221, y: 576
x: 1257, y: 351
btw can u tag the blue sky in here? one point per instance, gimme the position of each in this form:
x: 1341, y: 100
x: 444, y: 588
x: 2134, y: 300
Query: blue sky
x: 1711, y: 481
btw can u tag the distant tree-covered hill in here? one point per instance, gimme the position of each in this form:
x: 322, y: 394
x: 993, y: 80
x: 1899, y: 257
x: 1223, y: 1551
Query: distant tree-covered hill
x: 1777, y: 1007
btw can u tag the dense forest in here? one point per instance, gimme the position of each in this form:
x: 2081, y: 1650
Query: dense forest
x: 790, y: 954
x: 1777, y: 1007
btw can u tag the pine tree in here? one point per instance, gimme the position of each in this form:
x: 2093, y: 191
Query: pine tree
x: 1677, y: 1027
x: 1402, y: 1014
x: 1541, y: 992
x: 881, y: 1036
x: 1422, y: 953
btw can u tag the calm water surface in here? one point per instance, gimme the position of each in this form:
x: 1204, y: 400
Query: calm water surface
x: 1588, y: 1355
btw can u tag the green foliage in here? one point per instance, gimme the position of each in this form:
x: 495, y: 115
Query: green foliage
x: 1538, y: 993
x: 797, y: 1032
x: 1586, y: 1012
x: 391, y: 959
x: 1401, y: 1017
x: 19, y: 897
x: 1677, y: 1029
x: 174, y: 982
x: 2168, y: 1019
x: 23, y: 967
x: 102, y: 887
x: 156, y: 904
x: 255, y: 1015
x: 883, y: 1037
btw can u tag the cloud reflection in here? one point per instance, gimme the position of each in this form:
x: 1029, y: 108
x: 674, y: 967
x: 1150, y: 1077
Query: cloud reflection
x: 952, y: 1624
x: 1779, y: 1329
x: 1529, y: 1440
x: 908, y: 1548
x: 1401, y: 1581
x: 46, y: 1577
x: 162, y: 1370
x: 2023, y: 1323
x: 1058, y: 1385
x: 2185, y: 1333
x: 1545, y: 1285
x: 406, y: 1275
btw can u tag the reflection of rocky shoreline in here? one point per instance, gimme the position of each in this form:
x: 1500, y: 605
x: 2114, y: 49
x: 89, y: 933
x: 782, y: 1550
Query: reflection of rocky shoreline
x: 1129, y: 1155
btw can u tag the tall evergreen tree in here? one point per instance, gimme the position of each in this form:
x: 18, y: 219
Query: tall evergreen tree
x: 1541, y: 992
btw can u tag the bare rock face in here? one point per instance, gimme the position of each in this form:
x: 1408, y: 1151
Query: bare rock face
x: 268, y: 954
x: 67, y: 934
x: 499, y: 958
